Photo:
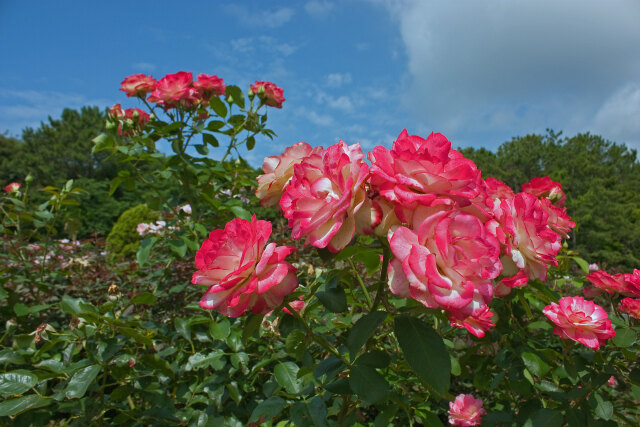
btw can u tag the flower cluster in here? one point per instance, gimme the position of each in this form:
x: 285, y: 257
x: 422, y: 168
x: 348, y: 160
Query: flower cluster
x: 130, y: 121
x: 458, y: 240
x: 269, y: 93
x: 157, y: 227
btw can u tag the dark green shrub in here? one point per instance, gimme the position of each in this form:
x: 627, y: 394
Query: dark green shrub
x: 123, y: 240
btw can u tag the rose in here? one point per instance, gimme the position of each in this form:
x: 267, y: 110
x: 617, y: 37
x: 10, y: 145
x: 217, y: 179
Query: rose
x: 142, y: 228
x: 421, y: 171
x: 116, y: 112
x: 326, y: 200
x: 449, y: 259
x: 173, y: 88
x: 529, y: 243
x: 138, y: 85
x: 208, y: 86
x: 544, y: 187
x: 630, y: 306
x: 12, y: 187
x: 278, y: 171
x: 135, y: 120
x: 466, y: 411
x: 580, y: 320
x: 478, y: 323
x: 269, y: 93
x: 623, y: 283
x: 241, y: 272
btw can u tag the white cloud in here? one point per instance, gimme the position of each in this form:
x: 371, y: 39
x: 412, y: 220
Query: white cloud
x: 263, y: 18
x: 144, y: 66
x: 318, y: 9
x: 262, y: 44
x: 619, y: 116
x: 338, y: 79
x: 514, y: 67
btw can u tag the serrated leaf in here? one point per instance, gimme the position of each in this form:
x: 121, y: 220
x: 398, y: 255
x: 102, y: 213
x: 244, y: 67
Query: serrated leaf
x: 17, y: 406
x: 17, y: 382
x: 604, y: 408
x: 81, y: 380
x: 424, y: 351
x: 146, y: 298
x: 367, y: 383
x: 267, y: 409
x: 535, y: 364
x: 220, y: 330
x: 286, y: 374
x: 624, y: 337
x: 362, y: 330
x: 209, y: 139
x: 218, y: 106
x: 241, y: 212
x: 584, y: 265
x: 335, y: 300
x: 182, y: 327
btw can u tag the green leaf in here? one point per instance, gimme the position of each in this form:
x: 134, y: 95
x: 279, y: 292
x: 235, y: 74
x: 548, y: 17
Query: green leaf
x: 335, y: 300
x: 251, y: 142
x: 286, y: 374
x: 81, y: 380
x: 318, y: 411
x: 209, y: 139
x: 584, y: 265
x: 202, y: 149
x: 251, y: 326
x: 362, y: 330
x: 178, y: 247
x: 17, y: 382
x: 201, y: 361
x: 182, y: 327
x: 218, y: 106
x: 624, y: 337
x: 146, y: 298
x: 535, y: 364
x: 20, y: 309
x: 241, y: 212
x: 136, y: 335
x: 145, y: 247
x: 604, y: 408
x: 375, y: 359
x: 76, y: 306
x: 545, y: 418
x: 236, y: 95
x: 220, y: 330
x: 267, y: 409
x: 367, y: 383
x: 214, y: 125
x: 424, y: 351
x: 17, y: 406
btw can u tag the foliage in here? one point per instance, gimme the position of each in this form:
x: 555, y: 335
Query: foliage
x: 124, y: 240
x: 601, y: 180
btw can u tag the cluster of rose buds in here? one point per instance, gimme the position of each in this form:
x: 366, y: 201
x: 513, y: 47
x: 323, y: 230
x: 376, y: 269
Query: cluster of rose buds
x: 129, y: 122
x: 458, y: 240
x: 626, y: 284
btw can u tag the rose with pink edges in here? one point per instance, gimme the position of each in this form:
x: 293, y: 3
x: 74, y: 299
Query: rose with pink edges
x: 466, y: 411
x: 580, y: 320
x: 243, y: 274
x: 271, y: 94
x: 138, y: 85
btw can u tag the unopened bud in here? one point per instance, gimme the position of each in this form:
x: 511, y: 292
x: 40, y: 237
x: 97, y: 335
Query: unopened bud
x: 29, y: 179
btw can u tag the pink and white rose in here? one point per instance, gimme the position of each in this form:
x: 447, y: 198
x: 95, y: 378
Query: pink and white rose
x: 278, y: 171
x: 466, y: 411
x: 580, y: 320
x: 138, y: 85
x: 241, y: 272
x: 209, y: 86
x: 173, y: 89
x: 326, y: 200
x: 630, y: 306
x: 12, y: 187
x: 544, y: 187
x: 478, y: 323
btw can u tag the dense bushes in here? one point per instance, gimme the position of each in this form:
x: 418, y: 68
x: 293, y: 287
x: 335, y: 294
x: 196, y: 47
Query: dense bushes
x: 124, y: 239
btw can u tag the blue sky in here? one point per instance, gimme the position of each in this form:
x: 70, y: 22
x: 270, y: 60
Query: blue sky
x: 356, y: 70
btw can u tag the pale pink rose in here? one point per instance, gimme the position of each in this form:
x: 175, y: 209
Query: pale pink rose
x: 138, y: 85
x: 425, y: 172
x: 449, y: 260
x: 173, y: 89
x: 593, y: 267
x: 278, y: 171
x: 185, y: 208
x: 12, y: 187
x: 142, y: 229
x: 324, y: 196
x: 580, y: 320
x: 544, y: 187
x: 241, y: 272
x: 630, y: 306
x: 270, y: 94
x: 530, y: 244
x: 466, y: 411
x: 34, y: 247
x: 209, y: 86
x: 478, y: 323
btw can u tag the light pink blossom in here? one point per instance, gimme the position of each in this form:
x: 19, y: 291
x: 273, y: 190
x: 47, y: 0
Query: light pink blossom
x: 580, y: 320
x: 326, y: 198
x: 243, y: 274
x: 466, y: 411
x: 138, y: 85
